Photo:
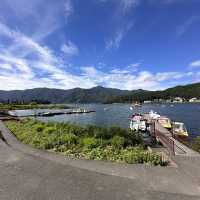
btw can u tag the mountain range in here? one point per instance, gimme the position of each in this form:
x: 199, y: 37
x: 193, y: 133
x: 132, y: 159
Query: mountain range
x: 96, y: 94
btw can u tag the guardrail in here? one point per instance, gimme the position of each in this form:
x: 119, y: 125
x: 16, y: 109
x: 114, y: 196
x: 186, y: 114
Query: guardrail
x: 163, y: 137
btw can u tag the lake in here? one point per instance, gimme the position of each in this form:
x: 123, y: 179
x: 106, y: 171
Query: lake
x: 118, y: 114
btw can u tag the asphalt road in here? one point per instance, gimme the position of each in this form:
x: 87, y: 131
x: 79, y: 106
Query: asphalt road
x: 28, y: 174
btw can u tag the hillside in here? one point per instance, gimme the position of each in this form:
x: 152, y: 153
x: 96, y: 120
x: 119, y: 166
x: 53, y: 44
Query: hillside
x: 77, y: 95
x: 96, y: 95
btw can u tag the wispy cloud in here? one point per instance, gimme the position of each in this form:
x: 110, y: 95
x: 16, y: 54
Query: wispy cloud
x: 194, y: 64
x: 187, y: 25
x: 134, y: 66
x: 70, y: 49
x: 130, y: 80
x: 118, y: 36
x: 124, y: 6
x: 127, y: 5
x: 44, y: 17
x: 26, y: 64
x: 120, y: 24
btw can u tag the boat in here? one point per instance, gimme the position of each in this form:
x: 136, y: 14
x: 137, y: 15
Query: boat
x: 136, y: 104
x: 179, y: 129
x: 153, y: 115
x: 137, y: 123
x: 165, y: 122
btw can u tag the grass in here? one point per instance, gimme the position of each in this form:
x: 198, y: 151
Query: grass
x: 91, y: 142
x: 13, y: 106
x: 196, y: 144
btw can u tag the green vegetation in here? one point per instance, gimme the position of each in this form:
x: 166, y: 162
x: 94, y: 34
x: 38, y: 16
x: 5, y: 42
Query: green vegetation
x: 97, y: 95
x: 22, y: 106
x: 196, y: 144
x: 187, y: 92
x: 90, y: 142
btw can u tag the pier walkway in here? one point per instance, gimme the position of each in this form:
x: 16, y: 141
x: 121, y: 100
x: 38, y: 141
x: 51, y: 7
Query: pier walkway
x: 176, y: 147
x: 165, y: 137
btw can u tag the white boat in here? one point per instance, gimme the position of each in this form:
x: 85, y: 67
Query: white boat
x: 153, y: 115
x: 136, y: 104
x: 137, y: 123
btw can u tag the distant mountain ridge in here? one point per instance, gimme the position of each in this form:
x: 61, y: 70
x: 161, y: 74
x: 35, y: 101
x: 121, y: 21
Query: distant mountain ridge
x: 96, y: 94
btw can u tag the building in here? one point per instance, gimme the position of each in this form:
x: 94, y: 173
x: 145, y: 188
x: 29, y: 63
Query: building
x: 147, y: 101
x: 194, y: 100
x: 178, y: 100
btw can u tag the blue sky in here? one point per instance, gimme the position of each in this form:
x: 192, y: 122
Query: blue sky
x: 126, y: 44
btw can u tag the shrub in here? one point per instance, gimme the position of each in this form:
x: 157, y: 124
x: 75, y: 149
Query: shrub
x: 49, y: 130
x: 68, y: 139
x: 89, y: 142
x: 117, y: 142
x: 39, y: 127
x: 196, y: 144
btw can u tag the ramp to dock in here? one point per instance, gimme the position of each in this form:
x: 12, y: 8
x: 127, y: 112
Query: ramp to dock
x: 165, y: 137
x: 174, y: 146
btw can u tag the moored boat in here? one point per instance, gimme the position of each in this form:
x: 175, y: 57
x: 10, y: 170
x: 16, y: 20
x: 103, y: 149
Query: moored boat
x: 165, y: 122
x: 136, y: 104
x: 179, y: 129
x: 137, y: 123
x: 153, y: 115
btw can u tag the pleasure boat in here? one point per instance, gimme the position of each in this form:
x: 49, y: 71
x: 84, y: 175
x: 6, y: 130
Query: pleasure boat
x: 137, y: 123
x: 153, y: 115
x: 179, y: 129
x: 136, y: 104
x: 165, y: 122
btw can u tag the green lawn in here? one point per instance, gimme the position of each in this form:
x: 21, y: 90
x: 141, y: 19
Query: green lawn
x: 91, y: 142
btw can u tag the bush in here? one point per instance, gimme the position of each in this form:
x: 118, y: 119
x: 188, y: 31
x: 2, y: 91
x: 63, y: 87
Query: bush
x: 196, y: 144
x: 117, y: 142
x: 89, y: 142
x: 39, y: 127
x: 49, y: 130
x: 68, y: 139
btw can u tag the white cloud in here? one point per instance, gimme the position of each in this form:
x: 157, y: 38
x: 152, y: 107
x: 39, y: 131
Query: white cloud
x: 32, y: 65
x: 25, y: 63
x: 126, y: 79
x: 187, y: 25
x: 195, y: 64
x: 134, y: 66
x: 124, y: 6
x: 69, y: 49
x: 128, y: 5
x: 118, y: 36
x: 68, y: 7
x: 44, y: 17
x: 115, y: 41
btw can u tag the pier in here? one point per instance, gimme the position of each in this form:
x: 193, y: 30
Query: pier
x: 164, y: 136
x: 52, y: 113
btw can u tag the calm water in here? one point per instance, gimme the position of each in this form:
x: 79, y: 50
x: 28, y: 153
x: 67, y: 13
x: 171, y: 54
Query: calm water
x: 118, y: 114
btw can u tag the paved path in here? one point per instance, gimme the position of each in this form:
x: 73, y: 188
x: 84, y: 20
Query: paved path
x: 27, y: 173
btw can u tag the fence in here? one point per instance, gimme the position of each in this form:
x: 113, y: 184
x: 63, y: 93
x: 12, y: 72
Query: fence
x: 163, y: 136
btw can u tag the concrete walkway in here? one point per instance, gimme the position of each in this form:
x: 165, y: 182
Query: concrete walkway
x: 27, y: 173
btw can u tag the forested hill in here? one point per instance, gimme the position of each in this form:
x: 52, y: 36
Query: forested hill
x: 96, y: 95
x: 186, y: 91
x: 77, y: 95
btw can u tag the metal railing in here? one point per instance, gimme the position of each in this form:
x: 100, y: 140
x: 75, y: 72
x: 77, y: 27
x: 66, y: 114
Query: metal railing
x: 163, y: 137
